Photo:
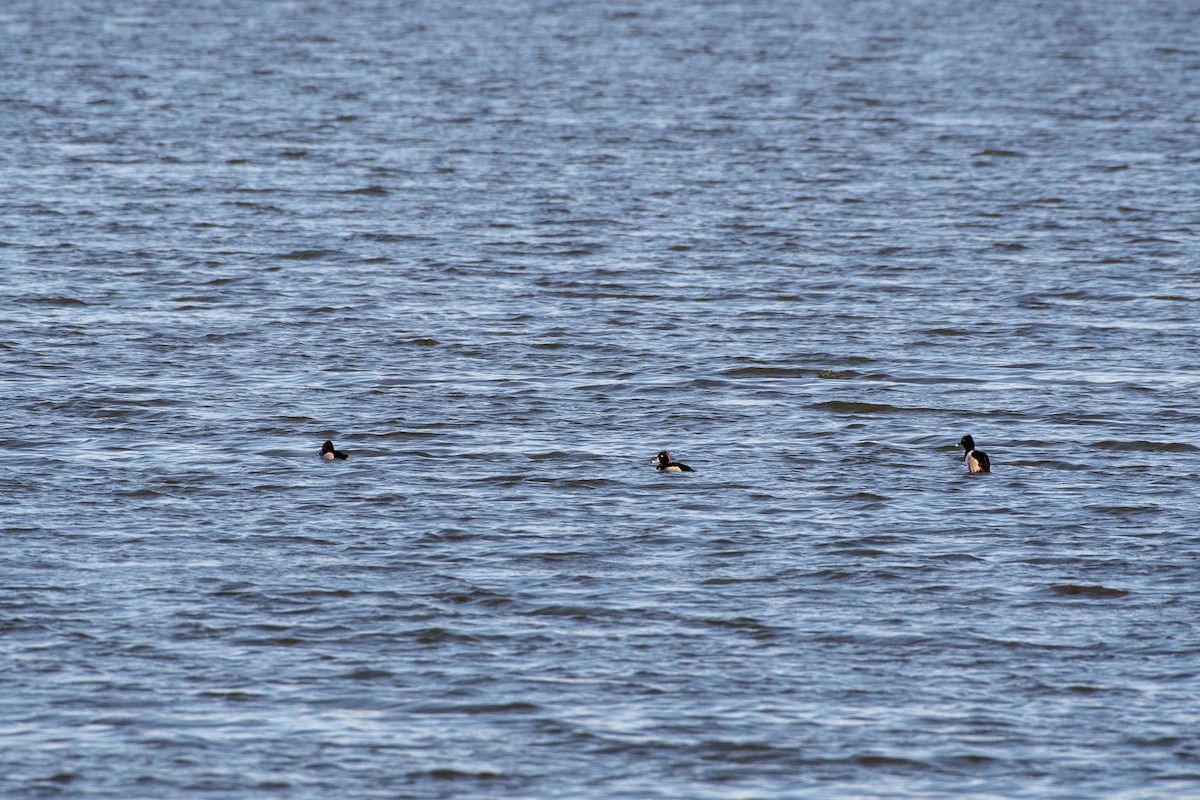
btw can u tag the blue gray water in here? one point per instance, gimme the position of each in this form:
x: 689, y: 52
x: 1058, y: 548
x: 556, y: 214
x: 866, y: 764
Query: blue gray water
x: 505, y: 252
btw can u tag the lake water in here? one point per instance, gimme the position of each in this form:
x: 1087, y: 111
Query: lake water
x: 503, y: 253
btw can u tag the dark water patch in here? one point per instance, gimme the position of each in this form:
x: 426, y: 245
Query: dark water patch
x: 366, y: 675
x: 765, y: 372
x: 265, y: 208
x: 501, y: 480
x: 274, y: 641
x: 1087, y: 591
x: 142, y: 494
x: 744, y: 752
x: 950, y: 332
x: 967, y: 558
x: 578, y: 482
x: 309, y: 255
x: 868, y: 498
x: 476, y: 709
x: 399, y: 238
x: 1054, y: 464
x: 449, y: 775
x: 556, y: 556
x: 1144, y: 446
x: 1072, y: 418
x: 232, y: 695
x: 878, y: 761
x: 1086, y: 690
x: 367, y: 191
x: 727, y: 580
x: 557, y: 455
x: 59, y: 301
x: 320, y: 593
x: 861, y: 552
x: 1126, y: 511
x: 479, y: 596
x: 997, y: 153
x: 852, y: 407
x: 572, y: 612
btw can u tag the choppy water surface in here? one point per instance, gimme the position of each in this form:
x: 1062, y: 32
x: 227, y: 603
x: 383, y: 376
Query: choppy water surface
x: 503, y: 254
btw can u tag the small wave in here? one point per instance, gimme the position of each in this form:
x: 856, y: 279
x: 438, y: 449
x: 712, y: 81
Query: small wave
x: 1084, y: 689
x: 744, y: 752
x: 398, y: 237
x: 952, y: 557
x: 370, y: 191
x: 870, y: 760
x: 574, y: 612
x: 851, y: 407
x: 475, y: 708
x: 765, y: 372
x: 272, y: 641
x: 1087, y: 590
x: 1144, y: 446
x: 1126, y: 511
x: 367, y: 674
x: 728, y: 580
x: 500, y: 480
x: 142, y: 494
x: 312, y: 593
x: 1065, y: 466
x: 62, y: 778
x: 554, y: 455
x: 478, y: 596
x: 578, y: 483
x: 448, y: 774
x: 859, y: 551
x: 437, y: 635
x: 56, y: 301
x: 308, y: 255
x: 230, y: 695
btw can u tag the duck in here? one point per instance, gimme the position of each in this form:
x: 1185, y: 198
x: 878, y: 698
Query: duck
x: 665, y: 464
x: 329, y: 454
x: 977, y: 460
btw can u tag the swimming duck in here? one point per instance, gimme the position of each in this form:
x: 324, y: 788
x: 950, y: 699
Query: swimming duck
x: 977, y: 460
x: 665, y: 464
x: 329, y: 454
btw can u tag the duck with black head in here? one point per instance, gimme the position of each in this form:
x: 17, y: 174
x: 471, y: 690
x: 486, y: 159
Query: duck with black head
x: 329, y: 454
x: 977, y: 460
x: 665, y: 464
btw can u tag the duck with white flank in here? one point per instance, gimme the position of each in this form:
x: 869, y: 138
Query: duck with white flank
x: 977, y: 460
x: 665, y: 464
x: 329, y: 454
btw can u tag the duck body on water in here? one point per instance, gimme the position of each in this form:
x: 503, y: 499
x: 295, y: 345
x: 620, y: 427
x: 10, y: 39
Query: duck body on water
x: 665, y: 464
x: 328, y: 453
x: 977, y: 461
